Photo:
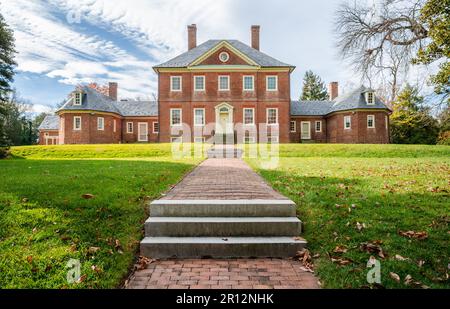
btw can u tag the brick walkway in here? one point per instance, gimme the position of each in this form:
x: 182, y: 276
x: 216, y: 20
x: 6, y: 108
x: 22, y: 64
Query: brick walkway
x: 224, y: 274
x: 223, y: 179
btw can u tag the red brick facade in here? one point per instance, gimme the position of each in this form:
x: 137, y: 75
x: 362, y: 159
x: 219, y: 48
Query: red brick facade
x: 48, y: 137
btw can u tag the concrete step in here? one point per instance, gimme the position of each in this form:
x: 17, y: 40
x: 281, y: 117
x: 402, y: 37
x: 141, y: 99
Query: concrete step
x: 224, y: 153
x: 222, y: 208
x: 219, y: 247
x: 222, y: 226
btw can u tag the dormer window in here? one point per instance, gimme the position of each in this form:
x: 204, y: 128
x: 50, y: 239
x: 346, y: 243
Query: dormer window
x: 370, y: 98
x: 78, y: 98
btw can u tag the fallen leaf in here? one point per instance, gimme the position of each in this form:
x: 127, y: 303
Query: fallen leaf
x: 412, y: 234
x: 304, y: 256
x: 398, y: 257
x: 93, y: 250
x: 420, y: 263
x: 143, y: 262
x: 82, y: 278
x: 96, y: 269
x: 417, y: 284
x: 30, y: 259
x: 360, y: 226
x: 341, y: 261
x: 372, y: 248
x: 340, y: 249
x: 25, y: 200
x: 87, y: 196
x: 394, y: 276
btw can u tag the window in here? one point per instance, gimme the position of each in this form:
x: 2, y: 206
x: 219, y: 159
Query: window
x: 306, y: 130
x: 142, y: 132
x: 199, y: 140
x: 293, y: 126
x: 78, y: 98
x: 272, y: 116
x: 272, y: 83
x: 318, y: 126
x: 156, y: 127
x: 386, y: 121
x: 224, y: 56
x: 114, y: 125
x: 77, y: 123
x: 101, y: 123
x: 199, y: 116
x: 249, y: 84
x: 129, y: 127
x: 249, y: 139
x: 224, y: 83
x: 370, y: 98
x: 249, y: 116
x: 370, y: 121
x: 271, y: 139
x: 347, y: 122
x: 175, y: 83
x: 175, y: 117
x: 199, y: 83
x: 176, y: 139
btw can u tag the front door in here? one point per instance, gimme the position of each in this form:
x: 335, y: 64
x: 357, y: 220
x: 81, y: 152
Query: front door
x: 306, y: 130
x: 224, y: 120
x: 143, y: 132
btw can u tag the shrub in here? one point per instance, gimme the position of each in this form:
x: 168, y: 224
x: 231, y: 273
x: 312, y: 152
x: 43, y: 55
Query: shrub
x: 4, y: 152
x: 444, y: 138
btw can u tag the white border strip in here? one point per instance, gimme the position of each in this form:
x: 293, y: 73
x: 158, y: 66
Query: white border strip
x: 222, y: 202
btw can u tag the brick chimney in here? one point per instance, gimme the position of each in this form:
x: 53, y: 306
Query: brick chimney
x: 113, y: 91
x: 255, y: 36
x: 333, y: 90
x: 192, y: 36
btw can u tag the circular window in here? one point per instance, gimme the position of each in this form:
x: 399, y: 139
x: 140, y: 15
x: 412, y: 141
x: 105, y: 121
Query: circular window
x: 224, y: 56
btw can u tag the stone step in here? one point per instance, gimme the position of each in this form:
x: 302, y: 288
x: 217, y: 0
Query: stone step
x: 222, y: 227
x: 220, y: 247
x: 224, y: 153
x: 222, y: 208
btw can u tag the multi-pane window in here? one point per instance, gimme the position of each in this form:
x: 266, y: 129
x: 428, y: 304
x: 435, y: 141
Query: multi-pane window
x: 347, y: 122
x: 224, y: 83
x: 155, y: 127
x: 199, y: 83
x: 272, y: 83
x: 77, y: 123
x: 175, y: 83
x: 249, y: 116
x: 249, y: 83
x: 100, y: 123
x: 370, y: 98
x: 293, y: 126
x: 78, y: 98
x: 318, y: 126
x: 114, y: 125
x: 272, y: 116
x: 370, y: 121
x: 199, y: 117
x: 175, y: 117
x: 129, y: 127
x: 386, y: 121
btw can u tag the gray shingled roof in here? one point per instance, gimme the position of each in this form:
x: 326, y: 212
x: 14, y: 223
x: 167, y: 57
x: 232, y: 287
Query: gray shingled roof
x: 50, y: 122
x: 190, y: 56
x: 95, y: 101
x: 352, y: 100
x: 137, y: 108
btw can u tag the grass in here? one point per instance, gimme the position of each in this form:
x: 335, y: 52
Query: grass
x: 45, y: 221
x: 388, y: 188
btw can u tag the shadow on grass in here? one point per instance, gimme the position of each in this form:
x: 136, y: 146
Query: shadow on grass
x: 45, y: 221
x: 332, y: 208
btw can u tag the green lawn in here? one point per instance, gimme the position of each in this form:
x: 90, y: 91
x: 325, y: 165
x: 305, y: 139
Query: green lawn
x: 45, y: 221
x: 384, y: 188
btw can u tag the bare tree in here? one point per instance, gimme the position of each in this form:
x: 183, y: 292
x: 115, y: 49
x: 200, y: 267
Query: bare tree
x: 381, y: 40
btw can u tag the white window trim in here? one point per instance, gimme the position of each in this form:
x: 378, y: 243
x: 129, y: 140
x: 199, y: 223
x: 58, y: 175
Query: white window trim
x: 139, y: 132
x: 128, y: 128
x: 276, y: 82
x: 267, y: 116
x: 153, y: 127
x: 373, y: 121
x: 197, y: 138
x: 253, y: 117
x: 345, y: 122
x: 253, y: 83
x: 224, y: 53
x: 102, y: 127
x: 295, y: 126
x: 315, y: 126
x: 228, y: 83
x: 203, y: 84
x: 171, y: 83
x: 273, y: 139
x: 75, y: 123
x: 172, y: 138
x: 78, y: 94
x: 309, y: 130
x: 373, y: 98
x: 195, y: 118
x: 171, y: 117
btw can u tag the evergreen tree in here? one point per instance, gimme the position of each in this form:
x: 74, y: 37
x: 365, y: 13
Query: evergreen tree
x: 411, y: 121
x: 7, y: 63
x: 313, y: 88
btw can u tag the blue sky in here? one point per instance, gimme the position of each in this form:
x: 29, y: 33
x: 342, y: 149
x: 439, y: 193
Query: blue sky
x: 65, y: 42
